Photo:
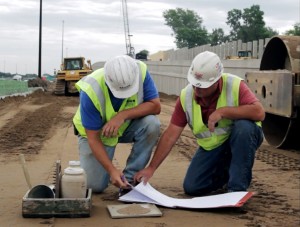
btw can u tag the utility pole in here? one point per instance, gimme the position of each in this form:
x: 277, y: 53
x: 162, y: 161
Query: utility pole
x: 40, y: 42
x: 62, y: 43
x: 129, y: 48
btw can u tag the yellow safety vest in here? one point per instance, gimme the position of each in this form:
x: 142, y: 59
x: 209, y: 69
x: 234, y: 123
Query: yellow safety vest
x: 229, y: 97
x: 94, y: 86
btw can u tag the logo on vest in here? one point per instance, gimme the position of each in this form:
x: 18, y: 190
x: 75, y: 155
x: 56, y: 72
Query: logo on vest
x: 130, y: 103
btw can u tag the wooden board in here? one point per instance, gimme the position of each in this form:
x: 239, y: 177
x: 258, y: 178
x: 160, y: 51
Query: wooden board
x: 133, y: 210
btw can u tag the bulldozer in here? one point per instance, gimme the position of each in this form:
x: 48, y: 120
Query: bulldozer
x: 242, y: 55
x: 71, y: 70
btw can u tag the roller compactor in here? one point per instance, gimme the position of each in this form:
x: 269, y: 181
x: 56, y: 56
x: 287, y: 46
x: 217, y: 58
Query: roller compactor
x: 277, y: 85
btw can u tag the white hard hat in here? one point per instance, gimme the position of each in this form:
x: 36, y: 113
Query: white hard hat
x: 205, y: 70
x: 122, y: 76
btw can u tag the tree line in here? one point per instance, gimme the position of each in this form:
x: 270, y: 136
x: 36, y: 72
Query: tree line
x: 10, y: 75
x: 246, y: 25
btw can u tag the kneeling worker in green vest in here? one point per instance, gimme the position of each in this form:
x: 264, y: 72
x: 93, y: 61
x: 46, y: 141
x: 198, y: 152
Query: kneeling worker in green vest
x: 225, y: 117
x: 118, y: 104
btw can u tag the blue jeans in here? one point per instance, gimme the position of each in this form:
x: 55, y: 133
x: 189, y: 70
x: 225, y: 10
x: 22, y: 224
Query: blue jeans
x: 142, y: 132
x: 231, y: 163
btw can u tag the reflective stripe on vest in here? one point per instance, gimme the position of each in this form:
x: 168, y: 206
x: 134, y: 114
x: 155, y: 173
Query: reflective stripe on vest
x: 189, y: 104
x: 98, y: 91
x: 218, y: 131
x: 94, y: 86
x: 228, y: 97
x: 189, y: 108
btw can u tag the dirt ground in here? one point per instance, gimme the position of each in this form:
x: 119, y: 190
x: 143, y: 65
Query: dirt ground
x: 40, y: 127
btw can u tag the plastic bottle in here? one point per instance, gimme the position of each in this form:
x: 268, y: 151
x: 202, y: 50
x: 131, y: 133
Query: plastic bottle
x: 76, y: 164
x: 73, y: 183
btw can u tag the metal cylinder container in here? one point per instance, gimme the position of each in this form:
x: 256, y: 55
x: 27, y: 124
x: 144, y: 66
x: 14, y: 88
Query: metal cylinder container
x: 277, y: 85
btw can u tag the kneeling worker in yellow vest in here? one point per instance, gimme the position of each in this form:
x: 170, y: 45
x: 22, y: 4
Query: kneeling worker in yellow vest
x: 225, y: 118
x: 118, y: 104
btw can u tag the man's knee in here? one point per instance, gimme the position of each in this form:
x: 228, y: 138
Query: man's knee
x: 152, y: 122
x: 244, y: 126
x: 191, y: 190
x: 97, y: 188
x: 96, y: 185
x: 243, y: 129
x: 248, y: 131
x: 152, y: 125
x: 187, y: 187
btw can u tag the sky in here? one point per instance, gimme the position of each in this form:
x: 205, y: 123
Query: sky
x: 94, y: 29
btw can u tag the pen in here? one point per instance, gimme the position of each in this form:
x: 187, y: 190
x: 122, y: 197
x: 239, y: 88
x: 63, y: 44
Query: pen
x: 123, y: 180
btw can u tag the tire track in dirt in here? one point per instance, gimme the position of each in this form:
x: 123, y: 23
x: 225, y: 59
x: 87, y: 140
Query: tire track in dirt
x: 267, y: 206
x: 281, y: 161
x: 27, y: 130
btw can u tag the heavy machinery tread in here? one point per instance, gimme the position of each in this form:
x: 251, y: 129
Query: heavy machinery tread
x: 59, y: 87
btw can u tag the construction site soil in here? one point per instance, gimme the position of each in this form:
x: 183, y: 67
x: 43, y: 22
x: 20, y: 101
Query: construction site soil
x: 40, y: 127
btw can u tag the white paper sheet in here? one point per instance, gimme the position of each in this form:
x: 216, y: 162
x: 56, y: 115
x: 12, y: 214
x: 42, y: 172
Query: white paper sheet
x: 147, y: 194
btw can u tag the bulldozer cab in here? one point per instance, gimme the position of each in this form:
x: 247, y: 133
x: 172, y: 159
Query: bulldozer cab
x: 73, y: 64
x: 245, y: 54
x: 241, y: 55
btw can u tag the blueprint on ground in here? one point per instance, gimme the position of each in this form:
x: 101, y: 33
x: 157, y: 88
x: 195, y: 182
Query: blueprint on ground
x: 145, y: 193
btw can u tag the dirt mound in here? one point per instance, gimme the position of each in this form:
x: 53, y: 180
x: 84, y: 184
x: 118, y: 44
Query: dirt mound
x: 38, y: 82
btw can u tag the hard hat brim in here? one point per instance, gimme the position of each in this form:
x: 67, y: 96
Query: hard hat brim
x: 200, y: 83
x: 125, y: 92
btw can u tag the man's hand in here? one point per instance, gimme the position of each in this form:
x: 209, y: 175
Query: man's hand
x: 110, y: 129
x: 118, y: 179
x: 144, y: 175
x: 213, y: 119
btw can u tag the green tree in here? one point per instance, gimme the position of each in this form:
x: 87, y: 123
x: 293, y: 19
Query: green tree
x: 217, y: 37
x: 234, y: 20
x: 143, y: 55
x: 248, y: 25
x: 145, y: 52
x: 187, y: 27
x: 269, y: 32
x: 295, y: 31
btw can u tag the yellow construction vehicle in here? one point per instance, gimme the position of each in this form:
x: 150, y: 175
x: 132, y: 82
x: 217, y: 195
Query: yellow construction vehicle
x: 242, y: 55
x: 71, y: 70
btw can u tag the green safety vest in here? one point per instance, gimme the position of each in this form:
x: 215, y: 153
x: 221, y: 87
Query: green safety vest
x: 94, y: 86
x: 229, y: 97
